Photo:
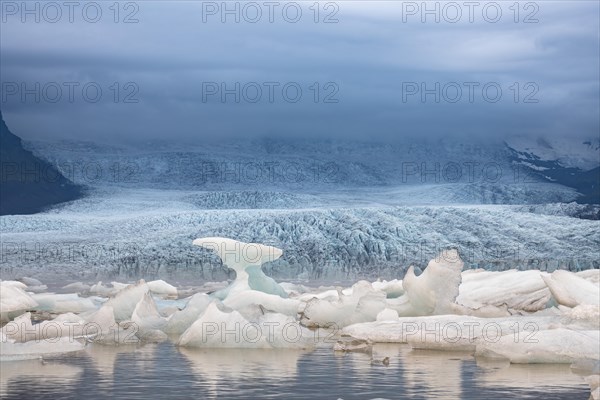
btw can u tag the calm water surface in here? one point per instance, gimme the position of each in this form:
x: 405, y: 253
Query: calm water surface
x: 166, y: 371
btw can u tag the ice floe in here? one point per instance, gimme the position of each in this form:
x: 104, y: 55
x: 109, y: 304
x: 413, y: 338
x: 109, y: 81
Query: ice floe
x: 508, y: 317
x: 14, y: 300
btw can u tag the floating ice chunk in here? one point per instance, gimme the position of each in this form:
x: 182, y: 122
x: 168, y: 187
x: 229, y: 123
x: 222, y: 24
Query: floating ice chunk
x: 126, y: 300
x: 592, y: 275
x: 257, y: 280
x: 436, y: 289
x: 101, y: 328
x: 16, y: 284
x: 62, y: 303
x: 270, y: 302
x: 329, y: 295
x: 545, y: 346
x: 245, y: 259
x: 161, y: 287
x: 387, y: 315
x: 293, y: 289
x: 119, y: 286
x: 16, y: 329
x: 347, y: 343
x: 36, y: 349
x: 100, y: 321
x: 570, y: 290
x: 101, y: 290
x: 212, y: 328
x: 447, y: 332
x: 517, y: 290
x: 284, y: 332
x: 76, y: 287
x: 392, y: 289
x: 21, y: 329
x: 183, y: 319
x: 146, y: 316
x: 14, y: 300
x: 219, y: 327
x: 33, y: 285
x: 362, y: 304
x: 582, y: 317
x: 31, y: 281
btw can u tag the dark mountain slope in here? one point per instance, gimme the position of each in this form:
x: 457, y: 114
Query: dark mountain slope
x: 29, y: 184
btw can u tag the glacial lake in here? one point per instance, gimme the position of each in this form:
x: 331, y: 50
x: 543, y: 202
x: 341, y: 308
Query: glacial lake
x: 167, y: 371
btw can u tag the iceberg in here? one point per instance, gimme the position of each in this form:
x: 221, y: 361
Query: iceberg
x: 516, y: 290
x: 35, y: 349
x: 546, y: 346
x: 245, y: 259
x: 125, y: 301
x: 571, y: 290
x: 436, y: 289
x: 162, y: 288
x: 14, y: 300
x: 183, y: 319
x: 361, y: 304
x: 149, y: 323
x: 62, y: 303
x: 219, y: 326
x: 21, y: 329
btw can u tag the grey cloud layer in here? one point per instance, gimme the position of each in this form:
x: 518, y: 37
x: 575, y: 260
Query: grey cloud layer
x: 369, y: 54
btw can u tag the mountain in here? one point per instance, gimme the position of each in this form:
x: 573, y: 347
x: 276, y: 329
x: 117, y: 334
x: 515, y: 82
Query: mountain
x: 566, y: 161
x: 29, y: 184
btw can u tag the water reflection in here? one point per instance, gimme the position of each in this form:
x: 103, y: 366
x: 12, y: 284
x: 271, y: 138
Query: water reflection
x: 43, y: 373
x: 513, y: 376
x: 218, y: 369
x: 104, y: 359
x: 166, y: 371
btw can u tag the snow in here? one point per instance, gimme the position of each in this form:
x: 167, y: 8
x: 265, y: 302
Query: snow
x: 569, y: 152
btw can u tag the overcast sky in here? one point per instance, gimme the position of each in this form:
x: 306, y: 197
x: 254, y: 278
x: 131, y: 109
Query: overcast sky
x: 361, y: 75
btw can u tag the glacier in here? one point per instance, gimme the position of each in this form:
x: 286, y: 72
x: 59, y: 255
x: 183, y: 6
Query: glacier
x: 337, y: 212
x: 81, y: 242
